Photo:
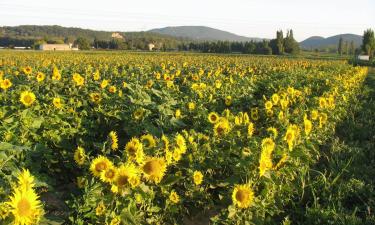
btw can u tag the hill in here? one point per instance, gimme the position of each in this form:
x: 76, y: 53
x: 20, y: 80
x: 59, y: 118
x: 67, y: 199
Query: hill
x: 202, y: 33
x: 333, y: 41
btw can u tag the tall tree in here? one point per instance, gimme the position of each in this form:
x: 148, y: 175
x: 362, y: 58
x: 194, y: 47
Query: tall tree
x: 290, y: 45
x: 279, y: 42
x: 368, y: 42
x: 352, y: 48
x: 340, y: 48
x: 83, y: 43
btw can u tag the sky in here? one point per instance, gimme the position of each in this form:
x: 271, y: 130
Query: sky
x: 251, y: 18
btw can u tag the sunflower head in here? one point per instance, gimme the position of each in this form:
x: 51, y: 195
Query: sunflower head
x: 109, y: 175
x: 99, y: 164
x: 27, y: 98
x: 80, y: 156
x: 222, y: 127
x: 213, y: 117
x: 154, y: 169
x: 113, y: 138
x: 243, y: 196
x: 197, y: 177
x: 148, y: 140
x: 173, y: 197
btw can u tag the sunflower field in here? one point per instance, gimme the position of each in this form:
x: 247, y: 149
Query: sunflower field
x: 135, y: 138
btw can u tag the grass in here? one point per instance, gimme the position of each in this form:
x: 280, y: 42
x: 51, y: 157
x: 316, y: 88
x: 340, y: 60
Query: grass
x: 341, y: 187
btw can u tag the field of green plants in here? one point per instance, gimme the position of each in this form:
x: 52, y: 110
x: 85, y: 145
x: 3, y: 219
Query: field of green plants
x: 135, y: 138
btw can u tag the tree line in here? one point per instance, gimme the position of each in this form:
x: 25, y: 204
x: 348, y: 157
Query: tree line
x: 278, y: 46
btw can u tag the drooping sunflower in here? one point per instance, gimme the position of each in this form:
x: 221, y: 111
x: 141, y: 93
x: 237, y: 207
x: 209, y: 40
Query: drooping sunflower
x: 213, y: 117
x: 25, y: 207
x: 134, y: 150
x: 56, y: 75
x: 275, y: 98
x: 99, y: 164
x: 273, y: 131
x: 243, y: 196
x: 290, y: 136
x: 228, y: 100
x: 27, y: 98
x: 80, y: 156
x: 308, y: 126
x: 181, y: 143
x: 222, y: 127
x: 154, y: 169
x: 268, y: 144
x: 114, y: 140
x: 25, y: 180
x: 148, y: 140
x: 314, y: 114
x: 173, y: 197
x: 250, y: 129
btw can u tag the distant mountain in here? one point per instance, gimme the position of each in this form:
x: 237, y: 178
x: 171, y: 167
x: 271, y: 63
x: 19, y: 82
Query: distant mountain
x: 59, y: 32
x: 202, y: 33
x: 321, y: 42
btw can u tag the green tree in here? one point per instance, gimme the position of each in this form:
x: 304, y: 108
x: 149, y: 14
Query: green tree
x: 82, y: 43
x: 352, y: 48
x: 290, y: 44
x: 279, y: 42
x: 368, y: 42
x: 340, y: 48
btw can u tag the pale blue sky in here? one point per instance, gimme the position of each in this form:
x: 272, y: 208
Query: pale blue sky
x: 253, y: 18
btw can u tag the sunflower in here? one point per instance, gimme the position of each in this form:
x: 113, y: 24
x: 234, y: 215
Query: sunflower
x: 27, y: 70
x: 138, y: 114
x: 56, y: 74
x: 80, y: 156
x: 154, y: 169
x: 40, y: 76
x: 322, y: 102
x: 197, y: 177
x: 178, y: 113
x: 322, y: 119
x: 268, y: 144
x: 308, y: 126
x: 104, y: 84
x: 250, y: 129
x: 134, y: 150
x: 95, y: 97
x: 245, y: 118
x: 4, y: 210
x: 314, y: 114
x: 181, y: 143
x: 173, y: 197
x: 222, y: 127
x: 265, y: 162
x: 115, y: 221
x: 290, y: 136
x: 27, y: 98
x: 96, y: 75
x: 273, y: 131
x: 99, y: 164
x: 100, y: 209
x: 5, y: 84
x: 114, y: 140
x: 109, y: 175
x: 268, y: 105
x: 213, y: 117
x: 78, y: 79
x: 228, y: 100
x: 243, y: 196
x: 275, y: 98
x: 191, y: 106
x: 57, y: 102
x: 25, y: 207
x: 165, y: 141
x: 254, y: 114
x: 25, y: 180
x: 148, y: 140
x: 112, y: 89
x: 125, y: 174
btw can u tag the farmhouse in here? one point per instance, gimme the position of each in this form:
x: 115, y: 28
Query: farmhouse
x: 57, y: 47
x: 151, y: 46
